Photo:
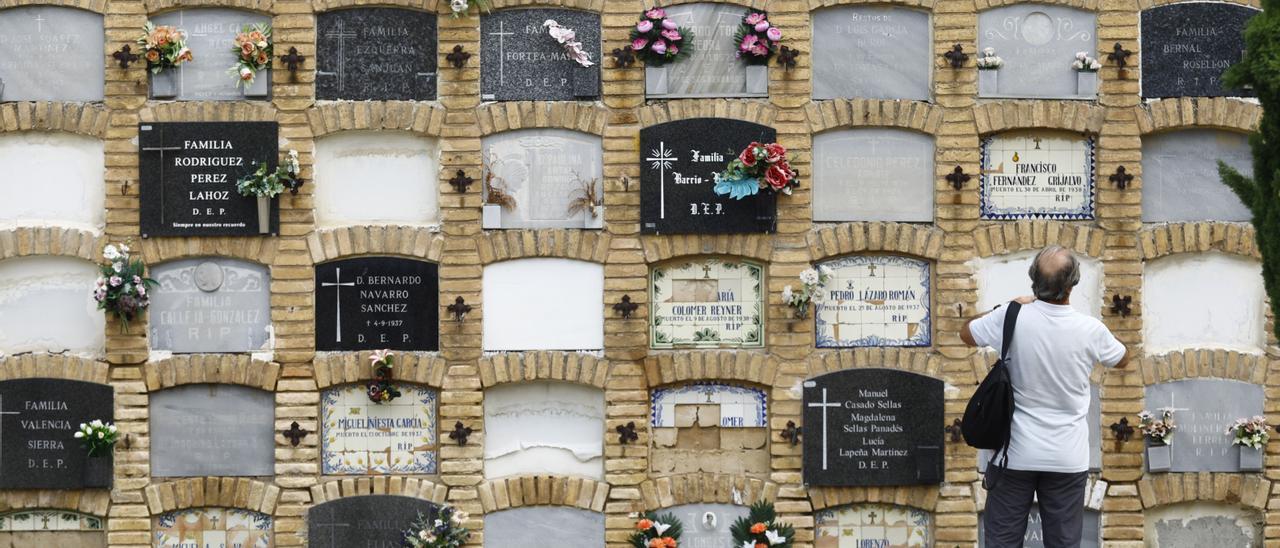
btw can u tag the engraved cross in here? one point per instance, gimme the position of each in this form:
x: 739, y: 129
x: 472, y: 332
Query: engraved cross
x: 333, y: 525
x: 337, y: 284
x: 661, y: 158
x: 340, y: 33
x: 824, y: 405
x: 502, y: 46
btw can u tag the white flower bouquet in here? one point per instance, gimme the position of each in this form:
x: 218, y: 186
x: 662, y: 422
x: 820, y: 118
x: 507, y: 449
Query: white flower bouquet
x: 97, y: 437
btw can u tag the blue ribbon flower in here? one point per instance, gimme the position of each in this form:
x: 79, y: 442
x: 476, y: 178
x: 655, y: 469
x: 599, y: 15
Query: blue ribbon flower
x: 737, y: 188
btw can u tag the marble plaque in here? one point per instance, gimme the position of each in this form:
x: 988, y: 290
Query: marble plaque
x: 1204, y: 300
x: 679, y: 163
x: 1038, y: 43
x: 519, y: 61
x: 873, y: 174
x: 47, y: 306
x: 543, y: 303
x: 872, y: 427
x: 370, y: 303
x: 71, y: 171
x: 368, y: 520
x: 38, y: 421
x: 712, y: 68
x: 188, y: 173
x: 550, y: 525
x: 210, y: 304
x: 1202, y: 409
x: 380, y: 177
x: 51, y: 53
x: 359, y: 437
x: 381, y: 54
x: 211, y: 32
x: 740, y: 406
x: 212, y: 430
x: 1091, y: 537
x: 873, y: 524
x: 707, y: 525
x: 1204, y: 523
x: 875, y: 300
x: 544, y: 170
x: 544, y: 428
x: 53, y: 528
x: 1186, y: 47
x: 1180, y: 180
x: 1037, y: 175
x: 706, y: 303
x: 213, y: 528
x: 1003, y: 278
x: 891, y: 42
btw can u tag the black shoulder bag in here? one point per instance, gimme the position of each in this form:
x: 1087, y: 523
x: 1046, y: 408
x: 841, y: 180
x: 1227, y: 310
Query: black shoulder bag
x: 988, y: 419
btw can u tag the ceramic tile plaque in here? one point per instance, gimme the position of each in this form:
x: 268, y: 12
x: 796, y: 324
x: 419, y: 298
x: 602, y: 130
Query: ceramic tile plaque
x: 1038, y: 42
x: 707, y: 525
x: 213, y: 527
x: 212, y: 430
x: 359, y: 437
x: 708, y: 303
x: 712, y: 69
x: 376, y: 54
x: 873, y: 524
x: 873, y: 174
x: 544, y: 170
x: 210, y: 304
x: 1202, y: 409
x: 1180, y: 180
x: 50, y: 53
x: 891, y: 42
x: 519, y: 61
x: 38, y: 421
x: 52, y: 528
x: 875, y: 300
x: 1187, y: 46
x: 211, y: 33
x: 740, y: 406
x: 370, y: 303
x: 1037, y: 175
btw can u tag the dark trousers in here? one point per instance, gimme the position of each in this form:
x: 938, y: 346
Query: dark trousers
x: 1061, y: 499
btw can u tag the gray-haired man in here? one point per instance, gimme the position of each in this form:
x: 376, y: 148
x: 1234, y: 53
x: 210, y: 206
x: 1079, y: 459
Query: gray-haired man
x: 1054, y: 350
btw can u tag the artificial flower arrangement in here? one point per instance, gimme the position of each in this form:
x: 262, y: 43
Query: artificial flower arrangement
x: 252, y: 47
x: 163, y: 47
x: 380, y: 388
x: 1252, y: 433
x: 568, y: 39
x: 446, y: 531
x: 1158, y: 431
x: 265, y: 183
x: 122, y: 284
x: 989, y: 60
x: 760, y: 166
x: 757, y: 39
x: 812, y: 282
x: 654, y: 531
x: 657, y: 40
x: 1084, y: 63
x: 761, y: 528
x: 97, y: 437
x: 461, y: 7
x: 495, y: 187
x: 585, y: 198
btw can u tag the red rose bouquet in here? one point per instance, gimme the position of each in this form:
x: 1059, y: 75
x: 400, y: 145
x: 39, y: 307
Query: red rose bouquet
x: 757, y: 38
x: 758, y: 167
x: 657, y: 40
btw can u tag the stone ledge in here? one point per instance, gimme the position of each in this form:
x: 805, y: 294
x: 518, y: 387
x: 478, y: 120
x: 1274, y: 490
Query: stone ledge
x: 922, y: 497
x: 1155, y: 241
x: 1249, y: 491
x: 258, y: 250
x: 327, y: 118
x: 706, y: 488
x: 263, y: 6
x: 1077, y: 116
x: 1011, y: 237
x: 54, y: 366
x: 244, y: 493
x: 521, y: 491
x: 210, y: 368
x: 586, y: 5
x: 702, y: 365
x: 1204, y: 363
x: 95, y: 502
x: 848, y: 113
x: 66, y: 242
x: 78, y: 118
x: 334, y: 368
x: 845, y: 238
x: 752, y: 246
x: 502, y: 245
x: 819, y: 4
x: 1189, y: 112
x: 381, y: 485
x: 543, y: 365
x: 208, y: 111
x: 756, y: 111
x: 915, y: 360
x: 409, y: 241
x: 508, y: 116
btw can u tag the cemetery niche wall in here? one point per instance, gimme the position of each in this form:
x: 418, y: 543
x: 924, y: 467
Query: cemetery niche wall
x: 519, y: 61
x: 70, y: 168
x: 212, y: 430
x: 709, y: 427
x: 1187, y: 46
x: 712, y: 69
x: 873, y: 524
x: 208, y: 527
x: 1037, y: 174
x: 210, y: 35
x: 51, y: 53
x: 60, y: 528
x: 1180, y: 175
x: 210, y: 304
x: 376, y: 53
x: 551, y: 525
x: 891, y: 42
x: 706, y: 303
x: 45, y: 306
x: 391, y: 303
x: 376, y: 178
x: 360, y: 437
x: 873, y: 174
x: 1182, y: 305
x: 544, y: 428
x: 875, y: 300
x: 1038, y: 43
x: 543, y: 178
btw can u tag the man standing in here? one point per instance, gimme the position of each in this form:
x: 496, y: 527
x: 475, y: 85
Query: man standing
x: 1054, y: 350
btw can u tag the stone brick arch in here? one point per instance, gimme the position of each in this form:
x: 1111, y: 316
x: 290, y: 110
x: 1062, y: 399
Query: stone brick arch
x: 1162, y: 240
x: 79, y: 118
x: 851, y: 113
x: 62, y: 242
x: 210, y: 369
x: 257, y: 250
x: 1000, y: 116
x: 335, y: 117
x: 334, y: 5
x: 343, y: 242
x: 225, y: 492
x: 94, y: 502
x: 574, y: 367
x: 924, y: 241
x: 509, y: 116
x: 54, y: 366
x: 704, y: 488
x: 503, y: 245
x: 1088, y: 5
x: 208, y: 111
x: 922, y: 497
x: 1012, y: 237
x: 1204, y: 364
x: 683, y: 109
x: 1249, y: 491
x: 1198, y: 112
x: 915, y: 360
x: 595, y: 6
x: 711, y: 365
x: 757, y: 247
x: 814, y: 5
x: 332, y: 490
x: 335, y: 368
x: 153, y: 7
x: 523, y: 491
x: 96, y: 6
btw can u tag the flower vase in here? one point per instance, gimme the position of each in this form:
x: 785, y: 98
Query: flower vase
x: 655, y: 80
x: 1251, y: 459
x: 98, y: 470
x: 164, y: 84
x: 491, y: 217
x: 264, y: 215
x: 758, y: 79
x: 766, y: 210
x: 988, y: 84
x: 1086, y: 83
x: 1159, y: 457
x: 261, y: 86
x: 594, y: 218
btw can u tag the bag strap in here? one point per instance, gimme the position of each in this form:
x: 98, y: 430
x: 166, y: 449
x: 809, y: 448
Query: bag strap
x: 991, y: 479
x: 1010, y: 321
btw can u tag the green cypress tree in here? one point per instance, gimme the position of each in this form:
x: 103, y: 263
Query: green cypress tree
x: 1260, y: 69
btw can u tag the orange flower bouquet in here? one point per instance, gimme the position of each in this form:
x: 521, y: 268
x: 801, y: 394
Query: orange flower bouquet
x: 760, y: 529
x: 252, y: 46
x: 654, y: 531
x: 163, y: 47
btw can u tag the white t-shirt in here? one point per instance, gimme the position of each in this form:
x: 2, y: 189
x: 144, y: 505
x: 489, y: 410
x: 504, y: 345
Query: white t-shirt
x: 1054, y: 350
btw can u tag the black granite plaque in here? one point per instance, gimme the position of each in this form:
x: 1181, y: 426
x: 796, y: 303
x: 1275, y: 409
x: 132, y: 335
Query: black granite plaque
x: 369, y: 520
x: 873, y: 427
x: 678, y: 164
x: 1186, y: 47
x: 38, y: 422
x: 377, y: 302
x: 520, y: 61
x: 376, y: 54
x: 189, y: 172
